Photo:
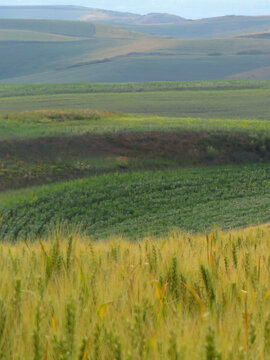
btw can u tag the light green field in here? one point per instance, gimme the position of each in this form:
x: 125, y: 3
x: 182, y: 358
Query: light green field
x: 31, y: 125
x: 214, y: 103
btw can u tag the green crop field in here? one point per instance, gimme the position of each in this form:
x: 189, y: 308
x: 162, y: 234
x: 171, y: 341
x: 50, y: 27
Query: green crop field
x: 142, y: 202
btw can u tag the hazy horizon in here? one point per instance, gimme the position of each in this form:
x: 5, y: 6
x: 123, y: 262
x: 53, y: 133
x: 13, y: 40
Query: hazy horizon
x: 185, y: 8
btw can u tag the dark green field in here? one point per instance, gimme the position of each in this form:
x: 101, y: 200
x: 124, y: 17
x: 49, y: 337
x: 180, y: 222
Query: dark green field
x: 135, y: 204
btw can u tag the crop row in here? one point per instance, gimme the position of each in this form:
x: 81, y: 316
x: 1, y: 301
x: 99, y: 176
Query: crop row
x: 134, y: 204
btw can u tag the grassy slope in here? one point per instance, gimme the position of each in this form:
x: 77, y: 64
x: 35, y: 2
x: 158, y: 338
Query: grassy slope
x: 37, y: 56
x: 110, y: 53
x: 153, y: 67
x: 137, y: 203
x: 157, y: 299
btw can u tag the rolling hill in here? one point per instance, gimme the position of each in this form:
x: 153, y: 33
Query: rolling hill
x: 54, y: 51
x: 219, y: 27
x: 153, y: 23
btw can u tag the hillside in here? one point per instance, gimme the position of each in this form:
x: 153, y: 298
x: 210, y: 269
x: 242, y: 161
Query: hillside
x: 153, y: 23
x: 219, y: 27
x: 52, y: 51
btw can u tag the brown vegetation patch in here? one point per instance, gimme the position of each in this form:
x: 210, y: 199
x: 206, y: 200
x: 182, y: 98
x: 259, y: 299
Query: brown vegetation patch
x: 188, y: 146
x: 45, y: 160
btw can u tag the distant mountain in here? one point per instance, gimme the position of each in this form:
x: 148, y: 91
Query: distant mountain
x: 86, y: 14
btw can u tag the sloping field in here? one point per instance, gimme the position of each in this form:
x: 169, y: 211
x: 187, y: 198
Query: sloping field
x: 138, y: 203
x: 40, y: 51
x: 142, y: 67
x: 51, y: 47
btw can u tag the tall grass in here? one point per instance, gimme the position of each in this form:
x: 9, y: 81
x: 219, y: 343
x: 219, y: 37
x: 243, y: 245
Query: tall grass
x: 181, y: 297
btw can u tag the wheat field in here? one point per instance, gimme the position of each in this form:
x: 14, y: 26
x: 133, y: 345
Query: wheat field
x: 180, y: 297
